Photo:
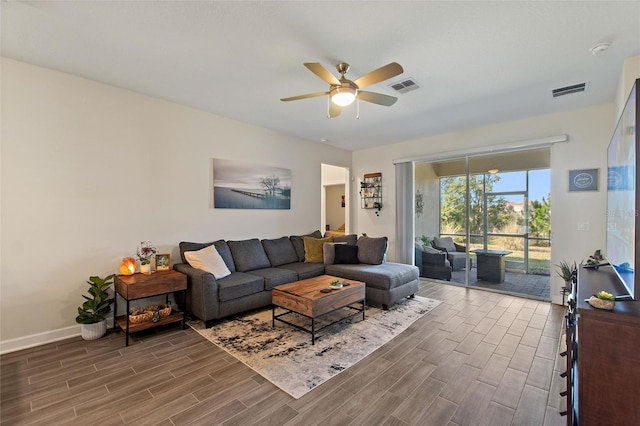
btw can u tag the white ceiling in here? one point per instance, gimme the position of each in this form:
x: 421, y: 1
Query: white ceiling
x: 477, y: 62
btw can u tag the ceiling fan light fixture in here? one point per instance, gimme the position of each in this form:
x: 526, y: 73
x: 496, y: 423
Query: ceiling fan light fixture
x: 343, y: 96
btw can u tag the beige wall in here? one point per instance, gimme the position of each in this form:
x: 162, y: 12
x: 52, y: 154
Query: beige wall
x: 335, y: 212
x: 589, y: 131
x: 630, y: 72
x: 426, y: 180
x: 90, y: 170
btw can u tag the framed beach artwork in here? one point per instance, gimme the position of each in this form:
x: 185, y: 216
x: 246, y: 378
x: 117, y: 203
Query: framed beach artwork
x: 244, y: 185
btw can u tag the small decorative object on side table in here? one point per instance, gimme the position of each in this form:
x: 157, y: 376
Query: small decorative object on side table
x: 128, y: 266
x: 139, y: 286
x: 145, y: 252
x: 602, y: 300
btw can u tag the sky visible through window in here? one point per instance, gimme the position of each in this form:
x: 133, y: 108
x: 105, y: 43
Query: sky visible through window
x: 539, y: 183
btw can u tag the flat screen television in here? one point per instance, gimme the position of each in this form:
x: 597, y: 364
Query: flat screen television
x: 622, y: 198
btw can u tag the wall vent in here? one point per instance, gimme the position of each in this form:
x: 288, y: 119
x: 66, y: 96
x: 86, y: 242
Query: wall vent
x: 404, y: 86
x: 567, y: 90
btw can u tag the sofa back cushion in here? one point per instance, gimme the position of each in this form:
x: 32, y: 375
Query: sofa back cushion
x: 372, y: 250
x: 445, y: 243
x: 280, y: 251
x: 351, y: 239
x: 248, y: 255
x: 298, y: 243
x: 221, y: 246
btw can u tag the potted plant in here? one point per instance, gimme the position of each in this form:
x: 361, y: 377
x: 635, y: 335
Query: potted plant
x: 92, y: 315
x: 145, y: 252
x: 426, y: 241
x: 565, y: 271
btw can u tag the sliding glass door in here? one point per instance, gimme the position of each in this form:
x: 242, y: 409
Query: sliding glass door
x: 495, y: 209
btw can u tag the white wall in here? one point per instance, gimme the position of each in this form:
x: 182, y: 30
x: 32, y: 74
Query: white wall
x: 90, y: 170
x: 589, y: 130
x: 335, y: 213
x: 426, y: 180
x: 630, y: 72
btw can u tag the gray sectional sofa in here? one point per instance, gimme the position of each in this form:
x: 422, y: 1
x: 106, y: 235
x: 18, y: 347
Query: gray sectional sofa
x: 256, y: 266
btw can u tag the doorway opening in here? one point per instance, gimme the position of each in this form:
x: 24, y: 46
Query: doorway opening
x: 335, y: 200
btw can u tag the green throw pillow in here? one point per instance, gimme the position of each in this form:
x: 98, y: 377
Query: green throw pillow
x: 313, y: 249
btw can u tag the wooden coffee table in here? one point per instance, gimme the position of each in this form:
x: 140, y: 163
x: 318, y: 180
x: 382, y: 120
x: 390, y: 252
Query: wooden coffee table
x: 305, y: 298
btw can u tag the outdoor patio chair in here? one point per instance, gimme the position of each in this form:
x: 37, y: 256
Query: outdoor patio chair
x: 432, y: 263
x: 456, y: 253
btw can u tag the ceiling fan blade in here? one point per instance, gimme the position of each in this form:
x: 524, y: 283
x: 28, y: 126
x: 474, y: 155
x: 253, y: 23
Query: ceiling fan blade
x: 322, y: 72
x: 377, y: 98
x: 381, y: 74
x: 334, y: 110
x: 308, y: 95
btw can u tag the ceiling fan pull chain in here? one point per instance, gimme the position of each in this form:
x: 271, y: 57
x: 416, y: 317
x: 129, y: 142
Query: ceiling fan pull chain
x: 357, y: 108
x: 329, y: 106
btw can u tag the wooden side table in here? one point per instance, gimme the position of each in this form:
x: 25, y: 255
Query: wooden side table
x: 139, y: 286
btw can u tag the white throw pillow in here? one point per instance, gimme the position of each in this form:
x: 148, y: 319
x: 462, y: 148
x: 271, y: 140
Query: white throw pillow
x: 209, y: 260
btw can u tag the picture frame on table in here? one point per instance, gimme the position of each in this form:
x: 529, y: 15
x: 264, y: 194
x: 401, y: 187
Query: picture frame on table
x: 163, y: 262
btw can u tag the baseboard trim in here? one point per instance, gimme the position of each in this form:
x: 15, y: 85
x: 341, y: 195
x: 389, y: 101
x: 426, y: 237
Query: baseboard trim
x: 38, y: 339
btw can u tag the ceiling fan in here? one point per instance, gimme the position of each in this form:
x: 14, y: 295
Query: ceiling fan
x: 343, y: 92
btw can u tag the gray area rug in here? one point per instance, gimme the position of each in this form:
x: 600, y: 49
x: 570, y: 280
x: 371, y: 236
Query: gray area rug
x: 284, y: 355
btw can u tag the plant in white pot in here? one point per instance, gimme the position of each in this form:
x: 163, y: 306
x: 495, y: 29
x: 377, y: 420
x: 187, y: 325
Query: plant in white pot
x: 92, y: 315
x: 145, y: 252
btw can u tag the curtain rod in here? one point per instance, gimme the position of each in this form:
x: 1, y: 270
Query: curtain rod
x: 500, y: 148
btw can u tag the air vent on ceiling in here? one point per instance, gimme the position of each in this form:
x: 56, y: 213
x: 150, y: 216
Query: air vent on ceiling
x: 404, y: 86
x: 567, y: 90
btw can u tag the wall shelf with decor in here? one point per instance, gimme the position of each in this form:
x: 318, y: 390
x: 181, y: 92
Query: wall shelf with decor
x: 371, y: 192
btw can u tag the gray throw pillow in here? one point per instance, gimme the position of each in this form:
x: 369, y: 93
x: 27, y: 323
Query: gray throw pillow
x: 432, y: 250
x: 329, y: 252
x: 445, y: 243
x: 372, y: 250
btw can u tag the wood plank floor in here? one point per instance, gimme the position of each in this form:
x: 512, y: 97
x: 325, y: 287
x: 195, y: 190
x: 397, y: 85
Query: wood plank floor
x: 480, y: 358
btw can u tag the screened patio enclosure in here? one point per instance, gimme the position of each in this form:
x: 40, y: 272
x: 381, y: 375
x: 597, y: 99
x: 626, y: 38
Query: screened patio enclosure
x: 497, y: 208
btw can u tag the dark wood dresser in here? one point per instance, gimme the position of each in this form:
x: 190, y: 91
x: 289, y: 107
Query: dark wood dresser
x: 605, y: 375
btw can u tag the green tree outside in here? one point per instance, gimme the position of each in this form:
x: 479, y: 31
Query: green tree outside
x: 452, y: 212
x: 540, y: 218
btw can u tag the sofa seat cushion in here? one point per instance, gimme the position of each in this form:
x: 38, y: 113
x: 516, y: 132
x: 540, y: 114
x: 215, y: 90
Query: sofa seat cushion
x: 275, y: 276
x: 280, y: 251
x: 385, y: 276
x: 248, y: 255
x: 239, y: 284
x: 305, y: 270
